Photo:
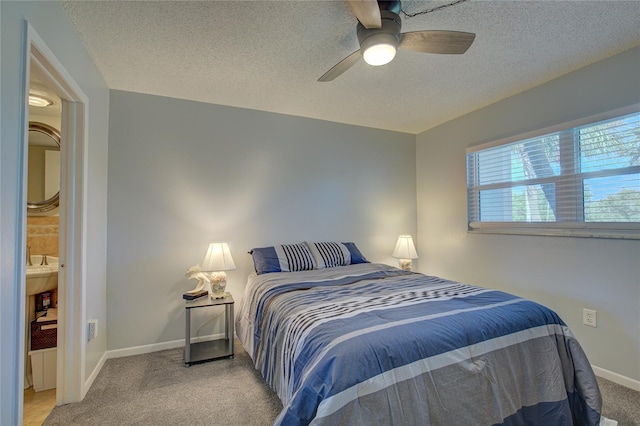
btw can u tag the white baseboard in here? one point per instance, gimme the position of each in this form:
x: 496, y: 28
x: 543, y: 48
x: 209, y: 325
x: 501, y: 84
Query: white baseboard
x: 617, y: 378
x: 94, y: 374
x: 155, y: 347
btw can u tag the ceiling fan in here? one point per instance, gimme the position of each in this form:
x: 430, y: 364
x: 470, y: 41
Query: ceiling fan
x: 379, y: 36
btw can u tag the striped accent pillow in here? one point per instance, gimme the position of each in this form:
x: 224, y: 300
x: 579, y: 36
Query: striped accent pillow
x: 330, y: 254
x: 282, y: 258
x: 295, y: 257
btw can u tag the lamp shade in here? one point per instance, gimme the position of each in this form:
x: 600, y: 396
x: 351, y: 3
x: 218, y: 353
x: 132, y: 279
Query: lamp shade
x: 218, y: 258
x: 405, y: 248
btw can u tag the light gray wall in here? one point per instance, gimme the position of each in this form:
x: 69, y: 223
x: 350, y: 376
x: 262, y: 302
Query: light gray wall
x: 183, y: 174
x: 565, y: 274
x: 50, y: 22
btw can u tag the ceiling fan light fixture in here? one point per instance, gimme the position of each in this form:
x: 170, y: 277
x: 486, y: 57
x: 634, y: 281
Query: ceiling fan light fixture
x: 379, y: 49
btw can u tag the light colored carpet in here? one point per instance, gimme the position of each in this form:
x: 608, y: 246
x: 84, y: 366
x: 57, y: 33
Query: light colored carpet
x: 620, y: 403
x: 156, y: 389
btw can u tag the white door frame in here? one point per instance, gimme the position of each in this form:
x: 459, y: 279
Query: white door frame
x: 72, y: 273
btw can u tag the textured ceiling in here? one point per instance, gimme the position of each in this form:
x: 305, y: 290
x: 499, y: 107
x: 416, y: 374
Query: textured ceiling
x: 267, y: 55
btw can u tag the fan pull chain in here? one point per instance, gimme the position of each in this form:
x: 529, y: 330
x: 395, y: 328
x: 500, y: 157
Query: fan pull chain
x: 411, y: 15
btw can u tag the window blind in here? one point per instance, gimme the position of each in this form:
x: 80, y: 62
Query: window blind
x: 584, y: 176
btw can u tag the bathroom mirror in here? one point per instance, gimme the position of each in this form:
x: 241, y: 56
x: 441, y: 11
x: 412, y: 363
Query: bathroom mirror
x: 43, y: 190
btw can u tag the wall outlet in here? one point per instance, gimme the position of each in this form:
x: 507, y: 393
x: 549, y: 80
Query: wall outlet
x: 589, y: 317
x: 93, y: 329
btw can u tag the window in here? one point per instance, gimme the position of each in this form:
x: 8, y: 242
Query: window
x: 578, y: 179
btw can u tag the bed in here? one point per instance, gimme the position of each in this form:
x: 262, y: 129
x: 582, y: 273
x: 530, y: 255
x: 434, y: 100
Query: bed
x: 365, y: 343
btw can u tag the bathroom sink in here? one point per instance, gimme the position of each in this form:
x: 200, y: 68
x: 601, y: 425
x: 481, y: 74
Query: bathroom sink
x: 42, y: 277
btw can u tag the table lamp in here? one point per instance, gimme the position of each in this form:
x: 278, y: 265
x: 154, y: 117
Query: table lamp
x: 405, y: 251
x: 218, y: 260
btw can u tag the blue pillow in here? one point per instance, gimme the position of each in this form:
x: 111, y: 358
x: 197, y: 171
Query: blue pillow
x: 356, y: 256
x: 282, y: 258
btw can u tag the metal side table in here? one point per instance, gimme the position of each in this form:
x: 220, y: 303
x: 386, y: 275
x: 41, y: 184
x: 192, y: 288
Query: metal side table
x: 212, y: 349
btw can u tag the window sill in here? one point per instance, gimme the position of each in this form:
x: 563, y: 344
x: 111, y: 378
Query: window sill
x: 627, y: 231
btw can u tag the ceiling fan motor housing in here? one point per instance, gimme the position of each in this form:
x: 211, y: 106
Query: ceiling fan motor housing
x: 389, y: 31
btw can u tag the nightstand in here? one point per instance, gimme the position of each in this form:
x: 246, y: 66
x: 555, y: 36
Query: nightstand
x: 211, y: 349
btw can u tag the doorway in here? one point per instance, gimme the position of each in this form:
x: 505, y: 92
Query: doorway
x: 43, y: 249
x: 40, y: 61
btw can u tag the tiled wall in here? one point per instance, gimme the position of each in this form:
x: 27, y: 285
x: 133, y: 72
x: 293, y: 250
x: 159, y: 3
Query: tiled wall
x: 42, y: 234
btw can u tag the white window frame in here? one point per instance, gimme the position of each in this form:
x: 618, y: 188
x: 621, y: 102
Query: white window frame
x: 574, y: 228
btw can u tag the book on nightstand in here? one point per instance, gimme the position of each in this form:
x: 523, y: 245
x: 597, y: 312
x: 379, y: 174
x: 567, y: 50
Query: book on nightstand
x: 193, y: 296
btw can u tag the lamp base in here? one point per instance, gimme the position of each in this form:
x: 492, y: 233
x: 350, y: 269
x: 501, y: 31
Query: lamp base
x: 218, y: 282
x: 220, y: 295
x: 405, y: 264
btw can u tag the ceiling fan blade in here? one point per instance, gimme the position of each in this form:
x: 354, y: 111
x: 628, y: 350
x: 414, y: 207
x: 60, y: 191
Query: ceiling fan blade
x: 435, y: 41
x: 341, y: 66
x: 367, y: 12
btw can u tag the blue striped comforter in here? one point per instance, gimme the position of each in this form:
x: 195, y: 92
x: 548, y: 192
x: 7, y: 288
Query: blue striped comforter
x: 370, y: 344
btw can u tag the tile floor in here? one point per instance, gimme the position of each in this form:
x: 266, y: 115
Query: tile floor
x: 37, y: 406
